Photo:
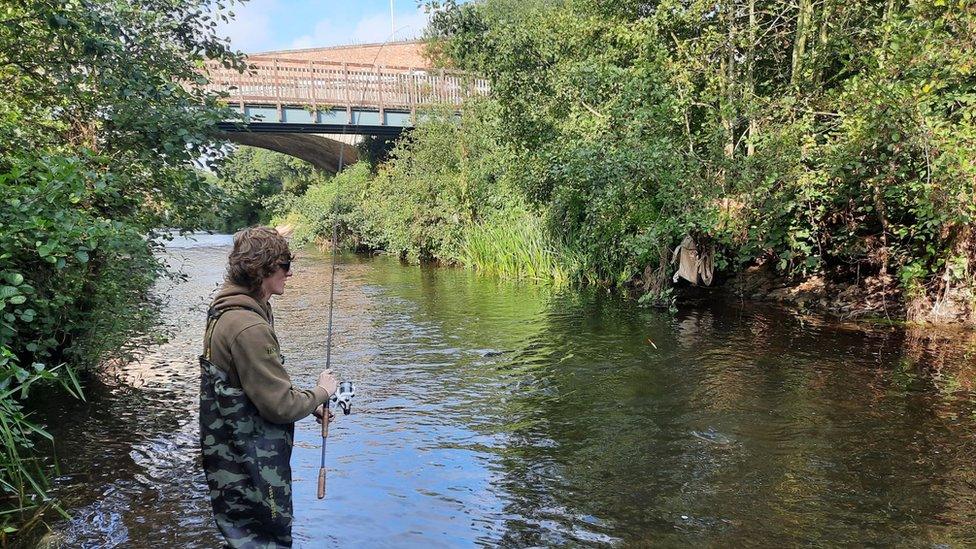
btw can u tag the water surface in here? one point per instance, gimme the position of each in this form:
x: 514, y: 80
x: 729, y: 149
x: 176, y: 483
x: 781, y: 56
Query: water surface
x: 491, y: 413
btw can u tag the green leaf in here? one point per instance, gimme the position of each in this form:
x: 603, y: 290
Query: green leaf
x: 15, y: 279
x: 82, y: 256
x: 75, y: 386
x: 18, y: 299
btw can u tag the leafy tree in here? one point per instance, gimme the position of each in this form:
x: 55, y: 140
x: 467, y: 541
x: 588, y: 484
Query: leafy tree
x: 103, y: 113
x: 256, y: 181
x: 819, y: 137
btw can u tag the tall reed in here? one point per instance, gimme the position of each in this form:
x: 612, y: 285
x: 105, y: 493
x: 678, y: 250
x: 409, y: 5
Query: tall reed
x: 516, y: 248
x: 24, y: 482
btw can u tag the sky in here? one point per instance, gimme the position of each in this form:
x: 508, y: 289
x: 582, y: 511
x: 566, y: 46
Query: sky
x: 263, y: 25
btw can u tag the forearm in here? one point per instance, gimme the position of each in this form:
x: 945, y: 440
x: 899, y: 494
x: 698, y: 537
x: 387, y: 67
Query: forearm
x: 267, y: 384
x: 279, y: 402
x: 296, y: 405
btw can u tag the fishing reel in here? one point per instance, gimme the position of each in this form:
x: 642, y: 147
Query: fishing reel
x: 343, y: 396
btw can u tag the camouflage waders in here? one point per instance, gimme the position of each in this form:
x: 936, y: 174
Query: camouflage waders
x: 246, y: 460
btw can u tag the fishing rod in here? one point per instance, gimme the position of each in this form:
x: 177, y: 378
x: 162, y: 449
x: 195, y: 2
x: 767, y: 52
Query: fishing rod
x: 346, y: 390
x: 326, y: 413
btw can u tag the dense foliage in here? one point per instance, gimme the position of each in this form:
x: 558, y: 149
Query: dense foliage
x: 822, y: 139
x: 102, y: 116
x: 825, y: 145
x: 252, y: 183
x: 442, y: 194
x: 445, y: 193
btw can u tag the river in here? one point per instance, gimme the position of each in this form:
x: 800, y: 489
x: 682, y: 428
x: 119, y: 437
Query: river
x: 497, y: 414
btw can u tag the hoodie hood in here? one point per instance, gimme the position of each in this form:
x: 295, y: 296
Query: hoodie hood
x: 232, y: 295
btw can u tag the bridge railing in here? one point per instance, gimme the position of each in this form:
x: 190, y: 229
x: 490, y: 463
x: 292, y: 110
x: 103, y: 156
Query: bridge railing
x: 323, y: 84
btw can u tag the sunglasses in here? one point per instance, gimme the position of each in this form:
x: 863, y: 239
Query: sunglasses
x: 286, y: 265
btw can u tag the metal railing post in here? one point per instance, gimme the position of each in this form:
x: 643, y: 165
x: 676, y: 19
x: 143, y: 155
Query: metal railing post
x: 346, y: 82
x: 411, y: 96
x: 439, y: 88
x: 240, y: 91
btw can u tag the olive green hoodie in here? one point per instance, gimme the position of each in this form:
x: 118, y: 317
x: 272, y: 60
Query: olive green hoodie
x: 245, y: 346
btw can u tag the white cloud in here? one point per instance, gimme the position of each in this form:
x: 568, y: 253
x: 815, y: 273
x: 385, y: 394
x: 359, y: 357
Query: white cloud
x: 324, y: 34
x: 376, y: 28
x: 250, y: 29
x: 370, y: 29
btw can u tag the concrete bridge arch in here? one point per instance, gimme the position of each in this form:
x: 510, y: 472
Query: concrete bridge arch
x: 321, y: 151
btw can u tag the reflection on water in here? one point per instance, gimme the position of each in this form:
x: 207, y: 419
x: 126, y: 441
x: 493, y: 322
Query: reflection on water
x: 495, y: 414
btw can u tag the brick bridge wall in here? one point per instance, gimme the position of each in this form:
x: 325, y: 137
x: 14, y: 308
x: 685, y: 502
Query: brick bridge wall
x: 399, y: 54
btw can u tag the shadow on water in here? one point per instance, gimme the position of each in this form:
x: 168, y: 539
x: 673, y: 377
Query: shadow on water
x: 495, y: 414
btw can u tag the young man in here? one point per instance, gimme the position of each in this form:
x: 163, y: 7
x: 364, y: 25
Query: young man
x: 248, y: 405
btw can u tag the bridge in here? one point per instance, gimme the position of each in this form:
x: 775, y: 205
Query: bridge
x: 308, y: 104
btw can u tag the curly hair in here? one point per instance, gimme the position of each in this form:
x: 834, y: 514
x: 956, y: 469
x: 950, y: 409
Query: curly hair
x: 256, y: 254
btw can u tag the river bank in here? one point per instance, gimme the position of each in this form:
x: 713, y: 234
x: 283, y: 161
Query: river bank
x: 872, y: 299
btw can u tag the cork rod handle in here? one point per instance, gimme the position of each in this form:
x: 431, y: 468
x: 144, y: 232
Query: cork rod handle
x: 321, y: 482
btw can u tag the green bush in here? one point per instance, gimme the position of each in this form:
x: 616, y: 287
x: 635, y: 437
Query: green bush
x: 103, y: 115
x: 313, y: 214
x: 829, y: 140
x: 255, y: 184
x: 438, y: 198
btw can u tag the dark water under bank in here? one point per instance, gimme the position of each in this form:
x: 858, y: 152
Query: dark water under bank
x: 494, y: 414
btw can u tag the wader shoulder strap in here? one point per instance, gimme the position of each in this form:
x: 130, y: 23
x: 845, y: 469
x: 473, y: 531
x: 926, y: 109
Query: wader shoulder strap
x: 212, y: 318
